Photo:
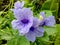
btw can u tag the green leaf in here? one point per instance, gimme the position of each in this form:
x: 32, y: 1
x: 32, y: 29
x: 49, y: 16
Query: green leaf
x: 5, y: 34
x: 57, y: 41
x: 27, y: 1
x: 43, y: 40
x: 6, y: 37
x: 51, y: 5
x: 1, y: 12
x: 46, y: 5
x: 45, y: 37
x: 18, y: 41
x: 12, y: 42
x: 1, y: 19
x: 50, y: 30
x: 23, y: 41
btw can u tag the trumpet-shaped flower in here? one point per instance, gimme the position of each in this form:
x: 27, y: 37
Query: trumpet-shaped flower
x: 35, y: 31
x: 23, y: 21
x: 47, y: 21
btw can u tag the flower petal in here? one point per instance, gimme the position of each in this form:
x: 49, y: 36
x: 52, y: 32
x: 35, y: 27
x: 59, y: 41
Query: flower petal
x: 23, y: 13
x: 15, y: 23
x: 30, y: 36
x: 50, y: 21
x: 42, y: 23
x: 18, y: 4
x: 42, y: 14
x: 39, y: 32
x: 27, y: 13
x: 36, y: 22
x: 23, y: 31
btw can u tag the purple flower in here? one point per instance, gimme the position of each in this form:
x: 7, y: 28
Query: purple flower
x: 47, y: 21
x: 35, y: 31
x: 23, y: 21
x: 18, y: 4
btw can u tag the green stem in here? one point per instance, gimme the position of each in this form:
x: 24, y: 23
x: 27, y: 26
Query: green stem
x: 6, y: 7
x: 11, y: 3
x: 51, y: 4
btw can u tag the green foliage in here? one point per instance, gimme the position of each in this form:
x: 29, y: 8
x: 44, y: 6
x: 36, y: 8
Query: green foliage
x: 18, y: 41
x: 50, y: 30
x: 57, y: 41
x: 51, y: 5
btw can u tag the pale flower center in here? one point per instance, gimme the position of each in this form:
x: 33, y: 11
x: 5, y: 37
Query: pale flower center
x: 40, y: 17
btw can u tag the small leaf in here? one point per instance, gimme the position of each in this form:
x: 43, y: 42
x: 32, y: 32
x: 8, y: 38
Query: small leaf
x: 1, y: 12
x: 50, y: 30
